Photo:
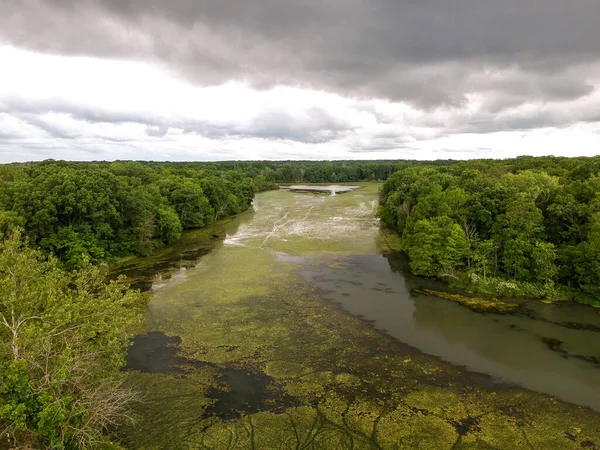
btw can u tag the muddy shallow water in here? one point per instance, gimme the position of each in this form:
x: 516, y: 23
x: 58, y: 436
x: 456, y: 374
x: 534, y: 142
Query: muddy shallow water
x: 287, y: 327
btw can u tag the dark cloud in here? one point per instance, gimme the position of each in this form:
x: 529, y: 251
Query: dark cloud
x: 26, y: 107
x: 423, y: 52
x: 532, y: 118
x: 381, y: 145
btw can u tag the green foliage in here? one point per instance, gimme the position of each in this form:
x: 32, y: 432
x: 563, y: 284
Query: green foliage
x: 168, y: 224
x: 544, y: 258
x: 484, y: 257
x: 103, y: 211
x: 9, y: 221
x: 63, y: 338
x: 533, y: 221
x: 435, y: 245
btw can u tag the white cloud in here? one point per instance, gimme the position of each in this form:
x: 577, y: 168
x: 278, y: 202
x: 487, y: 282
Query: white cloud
x: 85, y: 108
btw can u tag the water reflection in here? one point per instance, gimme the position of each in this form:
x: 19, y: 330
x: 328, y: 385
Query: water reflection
x: 510, y: 348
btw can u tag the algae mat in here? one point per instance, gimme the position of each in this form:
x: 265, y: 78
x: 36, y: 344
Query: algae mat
x: 247, y: 355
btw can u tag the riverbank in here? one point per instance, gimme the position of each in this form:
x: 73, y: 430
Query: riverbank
x: 500, y: 287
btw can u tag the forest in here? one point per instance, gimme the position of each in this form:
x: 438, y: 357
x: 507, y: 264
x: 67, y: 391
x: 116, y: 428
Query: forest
x: 528, y: 226
x: 104, y: 211
x: 62, y: 346
x: 521, y: 227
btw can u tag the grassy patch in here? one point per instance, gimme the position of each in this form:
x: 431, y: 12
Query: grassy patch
x: 478, y: 304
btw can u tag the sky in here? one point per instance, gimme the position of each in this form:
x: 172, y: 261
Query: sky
x: 194, y: 80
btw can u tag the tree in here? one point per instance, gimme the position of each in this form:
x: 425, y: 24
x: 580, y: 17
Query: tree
x: 168, y: 224
x: 456, y: 246
x: 435, y: 245
x: 422, y: 245
x: 517, y: 231
x: 544, y: 266
x: 516, y: 258
x: 63, y: 342
x: 191, y: 205
x: 537, y: 186
x: 9, y: 221
x: 532, y: 219
x: 217, y: 196
x: 484, y: 256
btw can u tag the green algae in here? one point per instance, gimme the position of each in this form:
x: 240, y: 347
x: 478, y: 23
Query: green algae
x: 335, y: 382
x: 478, y: 304
x: 389, y: 242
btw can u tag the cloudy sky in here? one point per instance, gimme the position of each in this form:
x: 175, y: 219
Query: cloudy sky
x: 298, y: 79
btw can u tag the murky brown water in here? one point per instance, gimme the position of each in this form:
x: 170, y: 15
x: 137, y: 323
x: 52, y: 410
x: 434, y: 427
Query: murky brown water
x: 509, y: 347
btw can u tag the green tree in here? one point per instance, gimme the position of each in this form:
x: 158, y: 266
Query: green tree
x: 63, y: 338
x: 456, y: 246
x: 544, y: 265
x: 168, y: 224
x: 484, y: 257
x: 191, y: 204
x: 435, y: 245
x: 515, y: 258
x: 422, y: 244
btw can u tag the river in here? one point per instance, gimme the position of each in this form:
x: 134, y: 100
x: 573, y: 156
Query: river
x: 295, y: 325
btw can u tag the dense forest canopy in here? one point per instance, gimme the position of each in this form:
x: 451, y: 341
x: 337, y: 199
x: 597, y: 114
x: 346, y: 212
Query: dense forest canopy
x: 102, y: 210
x: 106, y: 210
x: 527, y: 226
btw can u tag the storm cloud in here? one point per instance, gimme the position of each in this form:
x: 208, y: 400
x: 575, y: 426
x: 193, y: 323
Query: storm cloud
x: 425, y: 52
x: 408, y: 71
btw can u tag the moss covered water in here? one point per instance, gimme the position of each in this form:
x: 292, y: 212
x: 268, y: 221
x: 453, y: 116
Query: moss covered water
x: 252, y: 346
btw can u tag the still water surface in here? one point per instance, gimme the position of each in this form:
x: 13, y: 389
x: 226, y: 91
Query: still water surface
x: 509, y: 347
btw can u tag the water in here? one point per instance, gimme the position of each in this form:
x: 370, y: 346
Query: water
x: 287, y: 327
x: 509, y: 347
x: 331, y: 188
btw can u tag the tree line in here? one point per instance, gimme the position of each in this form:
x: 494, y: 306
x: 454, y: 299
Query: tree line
x: 526, y: 226
x: 102, y: 211
x: 106, y: 210
x: 305, y: 171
